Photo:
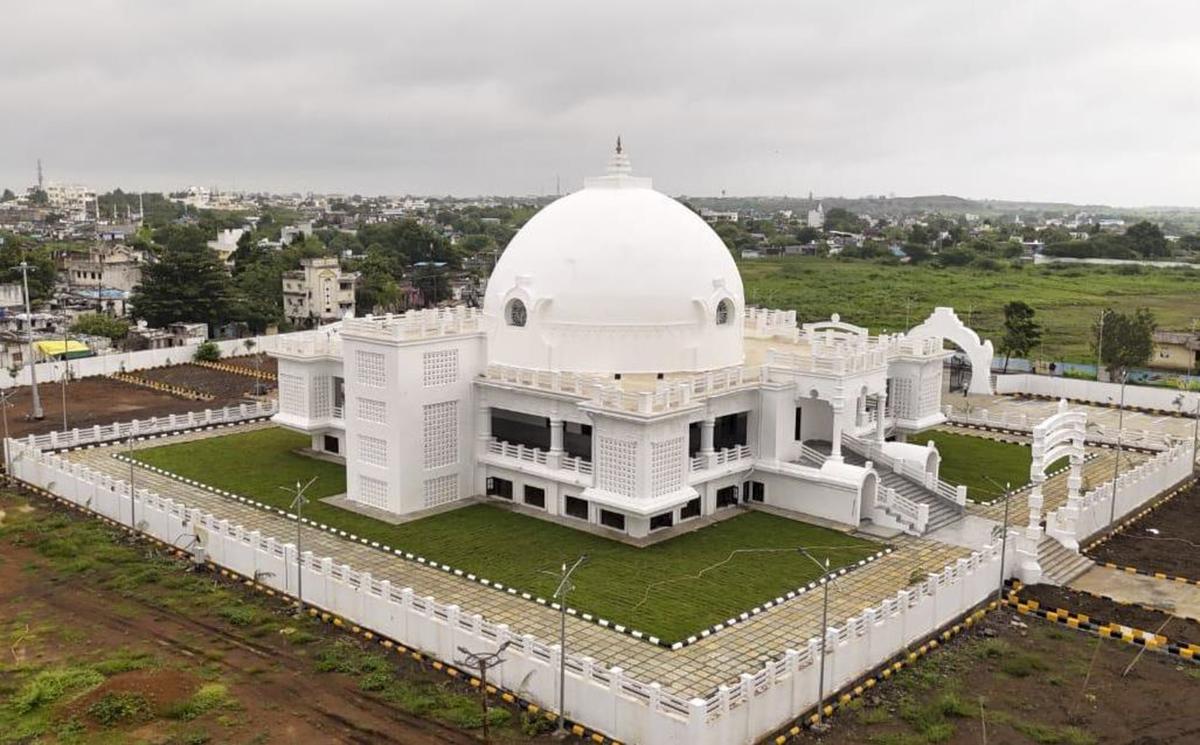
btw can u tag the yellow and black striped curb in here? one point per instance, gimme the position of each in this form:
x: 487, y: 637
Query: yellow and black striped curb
x: 336, y: 621
x: 1146, y: 573
x: 226, y: 367
x: 176, y: 390
x: 199, y: 427
x: 1120, y: 632
x: 1106, y: 405
x: 839, y: 699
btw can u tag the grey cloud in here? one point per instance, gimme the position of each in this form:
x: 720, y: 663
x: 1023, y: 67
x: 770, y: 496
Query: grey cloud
x: 1082, y: 101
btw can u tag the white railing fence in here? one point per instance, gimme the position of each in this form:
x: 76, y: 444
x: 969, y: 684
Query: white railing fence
x: 1072, y: 524
x: 869, y: 448
x: 152, y: 426
x: 601, y: 697
x: 1096, y: 433
x: 912, y: 516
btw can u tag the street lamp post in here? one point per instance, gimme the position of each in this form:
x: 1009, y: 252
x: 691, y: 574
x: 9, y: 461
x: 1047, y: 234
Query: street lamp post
x: 481, y: 661
x: 560, y: 594
x: 297, y: 504
x: 4, y: 396
x: 66, y: 375
x: 132, y: 489
x: 825, y: 580
x: 1003, y: 537
x: 1112, y: 512
x: 36, y: 413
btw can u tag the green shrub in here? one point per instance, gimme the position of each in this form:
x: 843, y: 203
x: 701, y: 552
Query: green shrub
x: 207, y: 352
x: 49, y: 686
x: 119, y: 708
x: 210, y: 697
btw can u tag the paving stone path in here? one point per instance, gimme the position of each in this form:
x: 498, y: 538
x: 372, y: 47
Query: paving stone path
x: 695, y: 670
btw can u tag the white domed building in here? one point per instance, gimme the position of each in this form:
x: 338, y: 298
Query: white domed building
x: 616, y: 381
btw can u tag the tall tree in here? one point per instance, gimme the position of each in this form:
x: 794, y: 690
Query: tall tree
x: 13, y: 250
x: 188, y: 283
x: 1021, y: 332
x: 1126, y: 340
x: 1147, y: 239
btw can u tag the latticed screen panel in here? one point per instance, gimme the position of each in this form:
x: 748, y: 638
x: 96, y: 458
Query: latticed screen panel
x: 370, y: 410
x: 666, y: 466
x: 322, y: 397
x: 616, y: 465
x: 440, y: 433
x: 372, y: 451
x: 372, y: 492
x: 902, y: 398
x: 370, y: 369
x: 292, y: 394
x: 931, y: 389
x: 441, y: 490
x: 440, y: 368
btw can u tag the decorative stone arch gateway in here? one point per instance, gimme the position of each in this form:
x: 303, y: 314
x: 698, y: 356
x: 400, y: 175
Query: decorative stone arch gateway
x: 944, y: 324
x: 1061, y: 435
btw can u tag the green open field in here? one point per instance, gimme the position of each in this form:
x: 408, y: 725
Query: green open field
x: 966, y: 459
x: 1067, y: 298
x: 670, y: 590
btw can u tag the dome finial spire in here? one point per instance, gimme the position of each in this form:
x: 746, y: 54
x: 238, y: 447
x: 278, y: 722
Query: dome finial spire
x: 618, y: 144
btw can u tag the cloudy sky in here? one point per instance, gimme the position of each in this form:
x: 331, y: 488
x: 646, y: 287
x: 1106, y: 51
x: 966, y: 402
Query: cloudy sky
x: 1085, y: 101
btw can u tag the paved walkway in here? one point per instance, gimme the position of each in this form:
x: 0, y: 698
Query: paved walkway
x: 1175, y: 598
x: 695, y: 670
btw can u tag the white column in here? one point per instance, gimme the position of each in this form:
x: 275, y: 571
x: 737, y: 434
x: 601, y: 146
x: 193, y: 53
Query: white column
x: 835, y: 444
x: 554, y: 459
x: 706, y: 435
x: 880, y: 413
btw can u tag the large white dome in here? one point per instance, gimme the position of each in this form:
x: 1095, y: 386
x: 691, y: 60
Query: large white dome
x: 616, y: 278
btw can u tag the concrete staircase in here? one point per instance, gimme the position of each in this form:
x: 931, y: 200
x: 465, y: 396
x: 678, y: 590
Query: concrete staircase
x: 942, y: 512
x: 1060, y: 565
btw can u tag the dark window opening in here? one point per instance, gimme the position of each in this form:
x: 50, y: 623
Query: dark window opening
x: 535, y: 496
x: 690, y: 510
x: 694, y: 439
x: 665, y: 520
x: 575, y: 507
x: 577, y: 440
x: 730, y: 431
x: 797, y: 430
x: 332, y: 444
x: 758, y: 491
x: 727, y: 497
x: 521, y: 429
x: 499, y: 488
x: 611, y: 519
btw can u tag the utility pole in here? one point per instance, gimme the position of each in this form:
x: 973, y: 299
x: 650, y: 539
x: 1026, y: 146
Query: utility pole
x: 298, y: 505
x: 4, y: 396
x: 1003, y: 538
x: 25, y: 268
x: 132, y: 490
x: 1100, y: 344
x: 825, y: 580
x: 481, y: 661
x: 560, y: 594
x: 65, y: 376
x: 1112, y: 512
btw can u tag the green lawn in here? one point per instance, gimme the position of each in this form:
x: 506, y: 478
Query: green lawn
x: 1067, y: 298
x: 967, y: 459
x: 655, y: 589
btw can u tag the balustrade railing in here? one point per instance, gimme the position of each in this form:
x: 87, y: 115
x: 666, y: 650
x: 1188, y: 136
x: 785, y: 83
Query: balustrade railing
x: 870, y: 449
x: 153, y: 425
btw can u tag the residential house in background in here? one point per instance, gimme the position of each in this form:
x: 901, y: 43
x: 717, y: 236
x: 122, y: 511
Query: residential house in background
x: 1176, y: 350
x: 318, y: 292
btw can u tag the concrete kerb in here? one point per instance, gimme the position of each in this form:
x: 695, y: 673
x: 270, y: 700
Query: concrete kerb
x: 506, y: 695
x: 515, y: 592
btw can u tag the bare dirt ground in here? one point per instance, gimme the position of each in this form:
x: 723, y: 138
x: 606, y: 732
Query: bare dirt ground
x: 1166, y: 540
x: 1027, y: 682
x: 105, y: 641
x: 92, y: 401
x: 226, y: 388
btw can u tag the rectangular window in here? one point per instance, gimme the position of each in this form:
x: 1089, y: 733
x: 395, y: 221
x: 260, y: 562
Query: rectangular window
x: 502, y: 488
x: 439, y: 367
x: 758, y: 492
x: 441, y: 490
x: 372, y: 451
x: 796, y: 430
x: 370, y: 410
x: 575, y: 507
x: 372, y: 492
x: 535, y: 496
x: 730, y: 430
x: 440, y: 434
x: 370, y: 368
x: 690, y: 510
x: 610, y: 519
x: 727, y: 497
x: 665, y: 520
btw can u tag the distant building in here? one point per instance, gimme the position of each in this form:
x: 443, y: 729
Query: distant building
x: 816, y: 218
x: 1176, y: 350
x: 175, y: 335
x: 226, y: 243
x: 71, y: 200
x: 295, y: 232
x: 114, y: 267
x: 716, y: 216
x: 318, y: 292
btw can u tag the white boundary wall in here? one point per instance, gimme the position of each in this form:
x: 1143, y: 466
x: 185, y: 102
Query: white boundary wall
x: 107, y: 364
x: 1013, y: 420
x: 1136, y: 396
x: 602, y: 698
x: 1073, y: 525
